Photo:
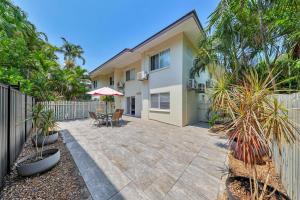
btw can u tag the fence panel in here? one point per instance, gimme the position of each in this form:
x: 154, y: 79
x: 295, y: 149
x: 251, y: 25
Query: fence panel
x: 287, y: 164
x: 3, y: 131
x: 13, y: 126
x: 17, y: 123
x: 71, y: 110
x: 28, y: 112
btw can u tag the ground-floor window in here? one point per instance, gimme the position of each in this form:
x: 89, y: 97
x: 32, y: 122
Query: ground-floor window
x: 160, y: 100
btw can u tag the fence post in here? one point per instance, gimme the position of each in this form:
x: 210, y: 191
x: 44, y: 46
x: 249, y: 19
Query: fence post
x: 8, y: 128
x: 26, y: 117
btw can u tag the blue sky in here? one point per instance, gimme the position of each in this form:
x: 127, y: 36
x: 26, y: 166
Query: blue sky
x: 105, y: 27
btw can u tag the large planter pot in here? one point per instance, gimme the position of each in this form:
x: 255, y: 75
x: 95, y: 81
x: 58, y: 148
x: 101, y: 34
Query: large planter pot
x: 246, y: 179
x: 28, y: 167
x: 48, y: 139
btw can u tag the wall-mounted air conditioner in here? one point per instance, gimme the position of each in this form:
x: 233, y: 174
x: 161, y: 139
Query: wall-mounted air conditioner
x: 192, y: 84
x: 201, y: 87
x: 142, y: 75
x: 120, y: 84
x: 209, y: 84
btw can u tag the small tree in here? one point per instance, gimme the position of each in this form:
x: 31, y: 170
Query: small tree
x: 43, y: 122
x: 257, y: 120
x: 108, y: 99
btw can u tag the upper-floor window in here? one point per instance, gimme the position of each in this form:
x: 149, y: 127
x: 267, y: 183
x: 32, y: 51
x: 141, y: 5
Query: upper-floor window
x: 160, y: 100
x: 130, y: 74
x: 95, y: 84
x: 111, y: 81
x: 160, y: 60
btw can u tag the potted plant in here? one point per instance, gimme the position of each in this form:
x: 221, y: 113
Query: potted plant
x: 41, y: 160
x: 46, y: 133
x: 258, y: 120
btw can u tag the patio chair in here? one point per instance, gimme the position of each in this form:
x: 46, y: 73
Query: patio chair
x: 96, y: 120
x: 121, y: 111
x: 114, y: 118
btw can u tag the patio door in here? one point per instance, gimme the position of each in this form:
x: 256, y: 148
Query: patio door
x: 130, y: 105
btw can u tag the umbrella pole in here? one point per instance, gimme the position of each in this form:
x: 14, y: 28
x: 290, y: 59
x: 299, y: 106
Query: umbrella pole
x: 106, y: 112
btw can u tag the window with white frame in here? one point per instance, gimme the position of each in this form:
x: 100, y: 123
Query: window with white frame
x: 160, y: 60
x: 160, y: 100
x: 130, y: 75
x: 95, y: 84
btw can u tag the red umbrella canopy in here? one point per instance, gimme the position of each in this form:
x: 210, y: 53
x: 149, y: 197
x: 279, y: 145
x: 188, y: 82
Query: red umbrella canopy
x: 105, y: 91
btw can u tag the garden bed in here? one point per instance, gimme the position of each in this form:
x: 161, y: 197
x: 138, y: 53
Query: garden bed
x: 239, y: 188
x: 62, y: 182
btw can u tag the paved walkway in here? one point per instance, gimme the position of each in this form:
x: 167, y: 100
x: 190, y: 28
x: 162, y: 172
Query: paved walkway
x: 147, y: 160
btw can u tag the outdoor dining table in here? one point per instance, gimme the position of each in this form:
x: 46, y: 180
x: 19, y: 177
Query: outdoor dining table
x: 106, y: 116
x: 105, y: 91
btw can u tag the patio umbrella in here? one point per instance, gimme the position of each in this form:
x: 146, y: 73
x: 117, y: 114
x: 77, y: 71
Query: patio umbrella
x: 105, y: 91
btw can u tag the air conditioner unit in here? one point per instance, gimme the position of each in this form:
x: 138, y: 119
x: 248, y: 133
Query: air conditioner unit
x: 209, y: 84
x: 120, y: 84
x: 192, y: 84
x: 142, y: 75
x: 201, y: 87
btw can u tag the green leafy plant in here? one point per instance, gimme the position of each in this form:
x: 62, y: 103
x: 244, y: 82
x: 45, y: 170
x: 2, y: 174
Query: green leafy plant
x: 43, y: 123
x: 28, y: 58
x: 250, y: 47
x: 252, y: 34
x: 108, y: 100
x: 213, y: 118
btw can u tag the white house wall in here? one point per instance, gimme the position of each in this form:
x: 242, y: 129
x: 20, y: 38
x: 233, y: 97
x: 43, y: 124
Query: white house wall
x: 184, y: 104
x: 194, y: 104
x: 102, y: 81
x: 166, y: 80
x: 133, y: 88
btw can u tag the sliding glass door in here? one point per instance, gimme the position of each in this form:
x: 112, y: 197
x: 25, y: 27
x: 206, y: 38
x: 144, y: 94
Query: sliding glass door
x: 130, y: 105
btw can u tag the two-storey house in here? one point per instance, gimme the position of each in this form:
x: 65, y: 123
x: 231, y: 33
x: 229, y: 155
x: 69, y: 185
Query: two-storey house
x: 155, y: 75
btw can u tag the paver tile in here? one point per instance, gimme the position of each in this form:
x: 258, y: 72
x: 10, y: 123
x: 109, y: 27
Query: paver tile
x: 147, y: 160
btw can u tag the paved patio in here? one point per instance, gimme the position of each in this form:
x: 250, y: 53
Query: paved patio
x: 147, y: 160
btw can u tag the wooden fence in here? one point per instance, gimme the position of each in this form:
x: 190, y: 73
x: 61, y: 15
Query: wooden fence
x: 15, y: 107
x: 288, y: 163
x: 71, y: 110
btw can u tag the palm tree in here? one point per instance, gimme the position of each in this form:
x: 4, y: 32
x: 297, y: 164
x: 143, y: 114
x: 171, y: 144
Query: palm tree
x: 242, y: 35
x: 71, y: 53
x: 255, y: 43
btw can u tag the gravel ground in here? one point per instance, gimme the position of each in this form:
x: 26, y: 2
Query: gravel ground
x: 61, y: 182
x: 238, y: 168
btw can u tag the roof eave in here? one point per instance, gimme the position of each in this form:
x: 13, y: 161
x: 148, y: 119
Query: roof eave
x: 177, y: 22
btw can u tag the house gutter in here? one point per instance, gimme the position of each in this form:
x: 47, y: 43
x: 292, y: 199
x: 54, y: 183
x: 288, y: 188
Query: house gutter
x: 166, y: 29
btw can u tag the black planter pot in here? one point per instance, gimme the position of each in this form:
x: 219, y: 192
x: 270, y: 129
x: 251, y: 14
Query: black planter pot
x: 49, y: 139
x: 50, y: 158
x: 243, y: 179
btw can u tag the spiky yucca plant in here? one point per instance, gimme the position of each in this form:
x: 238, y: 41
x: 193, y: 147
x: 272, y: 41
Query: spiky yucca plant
x: 257, y: 119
